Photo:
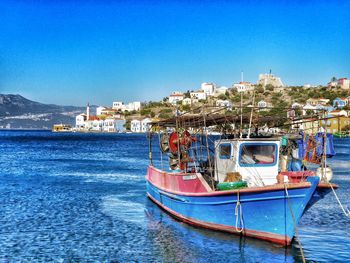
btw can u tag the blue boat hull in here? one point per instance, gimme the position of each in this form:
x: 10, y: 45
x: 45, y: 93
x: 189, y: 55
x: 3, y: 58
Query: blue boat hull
x: 266, y: 214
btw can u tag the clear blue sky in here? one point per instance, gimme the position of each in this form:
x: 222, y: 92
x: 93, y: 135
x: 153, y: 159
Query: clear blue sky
x: 72, y: 52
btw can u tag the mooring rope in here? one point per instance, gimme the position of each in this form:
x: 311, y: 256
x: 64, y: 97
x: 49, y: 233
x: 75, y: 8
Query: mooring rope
x: 239, y: 206
x: 295, y: 224
x: 344, y: 208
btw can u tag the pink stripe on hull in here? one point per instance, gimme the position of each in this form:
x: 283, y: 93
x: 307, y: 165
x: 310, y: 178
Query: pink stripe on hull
x: 279, y: 239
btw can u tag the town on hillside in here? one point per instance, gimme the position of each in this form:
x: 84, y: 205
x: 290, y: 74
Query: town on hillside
x: 269, y: 95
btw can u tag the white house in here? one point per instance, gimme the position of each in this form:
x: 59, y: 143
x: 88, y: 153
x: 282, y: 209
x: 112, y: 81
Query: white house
x: 262, y: 104
x: 145, y: 124
x: 131, y: 106
x: 308, y: 107
x: 208, y: 88
x: 243, y: 86
x: 114, y: 125
x: 223, y: 103
x: 135, y: 126
x: 80, y: 121
x: 198, y: 95
x: 118, y: 105
x: 186, y: 101
x: 99, y: 110
x: 176, y: 97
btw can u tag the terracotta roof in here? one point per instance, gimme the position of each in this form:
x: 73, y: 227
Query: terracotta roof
x: 94, y: 118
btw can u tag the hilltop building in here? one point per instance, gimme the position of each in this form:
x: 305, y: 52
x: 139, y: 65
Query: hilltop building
x: 208, y: 88
x: 221, y: 90
x: 198, y: 95
x: 176, y: 97
x: 343, y: 83
x: 243, y: 86
x: 131, y: 106
x: 270, y: 79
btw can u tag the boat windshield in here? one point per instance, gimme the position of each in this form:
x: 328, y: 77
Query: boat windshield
x: 262, y: 154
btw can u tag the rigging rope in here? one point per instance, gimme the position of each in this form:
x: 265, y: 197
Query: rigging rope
x: 295, y: 224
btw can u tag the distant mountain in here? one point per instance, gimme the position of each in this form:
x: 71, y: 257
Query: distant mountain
x: 18, y: 112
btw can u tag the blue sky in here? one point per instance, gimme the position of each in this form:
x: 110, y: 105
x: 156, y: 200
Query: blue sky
x: 72, y: 52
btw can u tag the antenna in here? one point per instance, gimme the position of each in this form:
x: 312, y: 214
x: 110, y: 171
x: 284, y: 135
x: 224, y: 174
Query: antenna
x: 241, y: 75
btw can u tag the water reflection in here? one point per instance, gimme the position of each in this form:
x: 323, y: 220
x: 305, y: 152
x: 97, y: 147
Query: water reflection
x: 175, y: 241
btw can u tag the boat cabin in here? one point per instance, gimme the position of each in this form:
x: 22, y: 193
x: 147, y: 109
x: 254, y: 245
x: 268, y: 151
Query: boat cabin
x: 256, y: 160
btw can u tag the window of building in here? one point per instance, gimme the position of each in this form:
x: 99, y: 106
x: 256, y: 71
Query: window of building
x: 262, y: 154
x: 225, y: 151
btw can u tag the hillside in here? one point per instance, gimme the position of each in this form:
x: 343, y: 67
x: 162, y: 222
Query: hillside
x: 18, y: 112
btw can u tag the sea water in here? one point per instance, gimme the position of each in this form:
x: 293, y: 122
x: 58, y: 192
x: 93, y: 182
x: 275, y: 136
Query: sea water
x: 82, y: 198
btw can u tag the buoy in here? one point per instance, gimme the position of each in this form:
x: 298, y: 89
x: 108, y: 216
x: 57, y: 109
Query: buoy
x: 325, y: 174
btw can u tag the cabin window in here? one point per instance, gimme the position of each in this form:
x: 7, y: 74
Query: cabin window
x: 261, y: 154
x: 225, y: 151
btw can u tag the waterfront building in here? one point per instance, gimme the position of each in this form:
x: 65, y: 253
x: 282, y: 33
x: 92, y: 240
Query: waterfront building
x: 138, y: 126
x: 270, y: 79
x: 337, y: 124
x: 208, y: 88
x: 176, y: 97
x: 145, y: 124
x: 112, y: 124
x: 80, y: 121
x: 135, y: 126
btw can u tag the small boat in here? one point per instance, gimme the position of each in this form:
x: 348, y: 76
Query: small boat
x: 234, y: 185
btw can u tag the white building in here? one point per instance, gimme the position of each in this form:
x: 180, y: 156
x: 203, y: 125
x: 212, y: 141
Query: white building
x: 176, y: 97
x: 114, y: 125
x: 262, y: 104
x: 118, y: 105
x: 208, y: 88
x: 186, y: 101
x: 223, y: 103
x: 99, y: 110
x: 243, y: 86
x: 131, y: 106
x: 135, y: 126
x: 221, y: 90
x: 80, y: 121
x: 140, y: 125
x: 198, y: 95
x: 309, y: 107
x: 145, y: 124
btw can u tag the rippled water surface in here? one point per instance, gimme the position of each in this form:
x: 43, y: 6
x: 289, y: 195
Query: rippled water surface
x: 81, y: 198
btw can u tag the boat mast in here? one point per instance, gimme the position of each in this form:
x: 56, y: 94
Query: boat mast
x: 149, y: 135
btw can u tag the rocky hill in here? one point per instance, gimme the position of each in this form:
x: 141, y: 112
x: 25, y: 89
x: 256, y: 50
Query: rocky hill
x: 18, y: 112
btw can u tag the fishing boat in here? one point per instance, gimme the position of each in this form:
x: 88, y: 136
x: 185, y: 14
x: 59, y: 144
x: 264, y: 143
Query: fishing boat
x: 245, y: 185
